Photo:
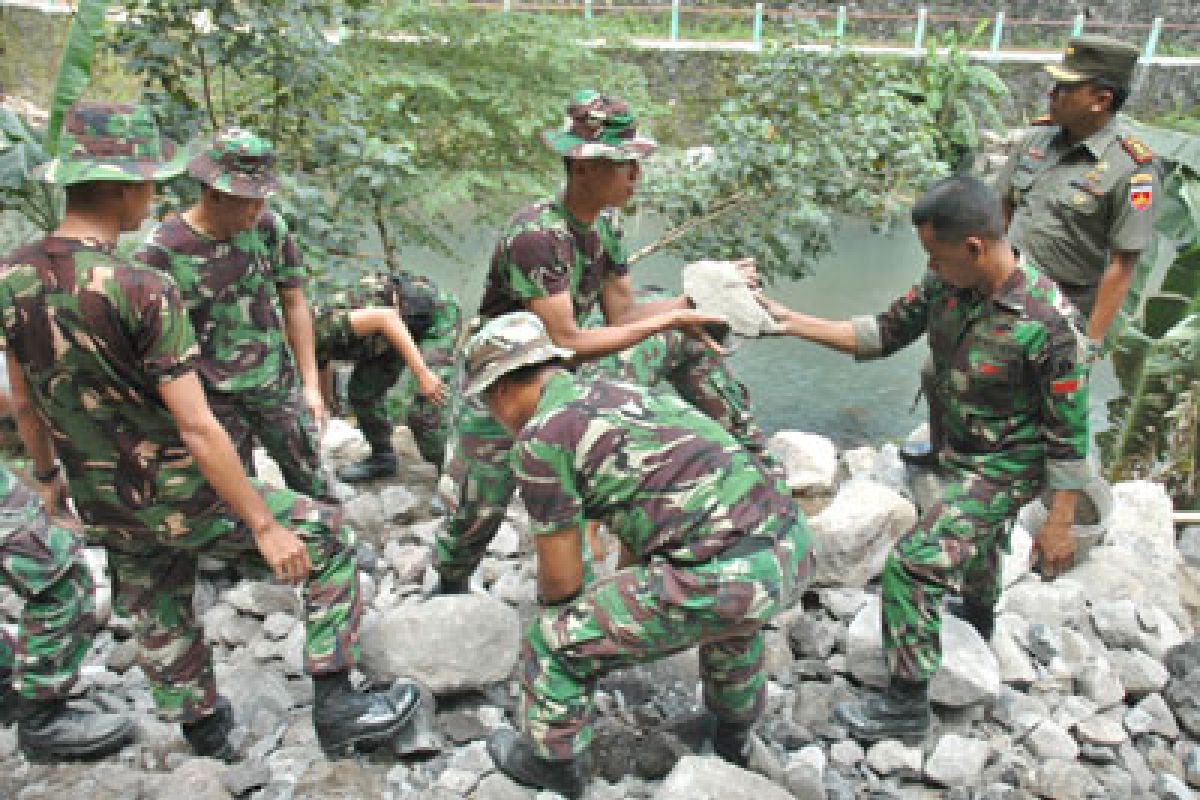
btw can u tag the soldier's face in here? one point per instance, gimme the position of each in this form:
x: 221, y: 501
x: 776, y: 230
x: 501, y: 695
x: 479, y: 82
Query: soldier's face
x: 1073, y: 103
x: 233, y: 214
x: 957, y: 263
x: 611, y: 183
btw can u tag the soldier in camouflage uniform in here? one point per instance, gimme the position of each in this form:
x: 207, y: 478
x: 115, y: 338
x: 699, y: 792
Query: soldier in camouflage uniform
x: 242, y: 280
x: 43, y: 563
x: 712, y: 546
x: 564, y: 259
x: 384, y: 324
x: 1010, y: 374
x: 103, y: 361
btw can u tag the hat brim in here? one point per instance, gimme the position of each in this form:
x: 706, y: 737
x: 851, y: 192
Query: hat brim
x: 209, y: 172
x: 1064, y: 75
x: 67, y: 171
x: 569, y: 145
x: 502, y: 366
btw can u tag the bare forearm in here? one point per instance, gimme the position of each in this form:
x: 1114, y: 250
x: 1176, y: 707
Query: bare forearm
x: 388, y: 323
x: 639, y: 311
x: 835, y: 334
x: 1062, y: 507
x: 1110, y: 293
x: 298, y: 323
x: 589, y: 343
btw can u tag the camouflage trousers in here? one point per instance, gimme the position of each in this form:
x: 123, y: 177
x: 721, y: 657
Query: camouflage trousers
x: 43, y: 563
x: 650, y: 611
x: 154, y: 578
x: 372, y: 379
x: 478, y: 479
x: 955, y: 546
x: 281, y: 423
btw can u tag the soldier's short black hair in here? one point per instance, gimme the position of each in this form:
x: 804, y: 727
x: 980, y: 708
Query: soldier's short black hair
x: 958, y: 207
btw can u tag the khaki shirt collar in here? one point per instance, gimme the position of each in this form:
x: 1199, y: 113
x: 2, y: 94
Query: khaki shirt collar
x: 1098, y: 142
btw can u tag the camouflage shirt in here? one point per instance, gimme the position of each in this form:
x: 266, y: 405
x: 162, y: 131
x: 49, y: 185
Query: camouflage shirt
x: 1010, y: 371
x: 544, y: 251
x: 96, y: 337
x: 1073, y: 206
x: 427, y: 311
x: 230, y: 289
x: 666, y: 479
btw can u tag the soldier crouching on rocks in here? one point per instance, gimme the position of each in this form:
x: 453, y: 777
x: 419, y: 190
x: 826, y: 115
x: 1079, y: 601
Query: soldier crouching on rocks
x: 102, y: 358
x: 42, y: 561
x: 712, y: 546
x: 383, y: 324
x: 1009, y: 361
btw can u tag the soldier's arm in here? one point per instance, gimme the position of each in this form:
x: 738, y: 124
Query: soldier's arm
x: 386, y: 322
x: 209, y: 444
x: 1133, y: 208
x: 559, y: 565
x: 1110, y: 293
x: 835, y: 334
x: 35, y: 435
x: 298, y: 325
x: 619, y: 306
x: 557, y: 313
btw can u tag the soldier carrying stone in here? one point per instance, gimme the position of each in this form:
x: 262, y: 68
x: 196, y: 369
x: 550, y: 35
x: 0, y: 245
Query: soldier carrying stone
x: 242, y: 281
x: 381, y: 325
x: 712, y: 546
x: 1010, y: 374
x: 103, y: 361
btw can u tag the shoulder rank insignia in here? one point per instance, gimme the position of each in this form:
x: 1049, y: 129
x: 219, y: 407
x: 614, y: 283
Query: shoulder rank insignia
x: 1043, y: 121
x: 1138, y: 150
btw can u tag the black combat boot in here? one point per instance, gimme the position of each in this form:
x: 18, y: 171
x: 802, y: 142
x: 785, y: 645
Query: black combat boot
x: 448, y: 586
x: 51, y: 730
x: 732, y: 742
x: 344, y: 717
x: 514, y: 756
x: 378, y: 465
x: 901, y: 712
x: 209, y: 736
x: 981, y: 618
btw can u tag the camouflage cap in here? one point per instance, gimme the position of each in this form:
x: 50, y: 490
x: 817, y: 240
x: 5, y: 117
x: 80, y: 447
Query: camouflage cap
x: 507, y: 343
x: 597, y: 126
x: 111, y: 142
x: 236, y: 162
x: 1089, y: 58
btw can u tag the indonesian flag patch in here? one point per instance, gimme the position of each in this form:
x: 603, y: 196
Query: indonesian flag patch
x: 1065, y: 386
x: 1141, y: 192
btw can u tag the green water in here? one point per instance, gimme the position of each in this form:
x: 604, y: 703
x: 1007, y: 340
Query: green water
x: 794, y: 385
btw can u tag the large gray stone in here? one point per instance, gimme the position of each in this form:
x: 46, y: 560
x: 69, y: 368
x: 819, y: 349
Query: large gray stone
x: 969, y: 671
x: 1122, y: 623
x: 712, y: 778
x: 855, y: 533
x: 957, y: 760
x: 1049, y: 740
x: 809, y: 460
x: 1152, y: 715
x: 1009, y: 644
x: 1100, y: 683
x: 1107, y: 729
x: 499, y: 786
x: 1140, y: 674
x: 1064, y: 780
x: 718, y: 287
x: 891, y: 757
x: 448, y: 643
x: 1054, y: 604
x: 260, y: 697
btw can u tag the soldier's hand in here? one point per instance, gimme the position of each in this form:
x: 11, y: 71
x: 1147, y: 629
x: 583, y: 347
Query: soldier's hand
x: 284, y: 553
x: 54, y: 496
x: 1053, y: 550
x: 430, y: 387
x: 316, y: 407
x: 693, y: 323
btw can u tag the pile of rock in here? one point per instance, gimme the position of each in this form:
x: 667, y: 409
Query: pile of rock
x: 1090, y: 687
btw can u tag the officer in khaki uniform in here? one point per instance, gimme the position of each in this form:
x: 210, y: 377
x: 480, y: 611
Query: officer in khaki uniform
x: 1079, y: 192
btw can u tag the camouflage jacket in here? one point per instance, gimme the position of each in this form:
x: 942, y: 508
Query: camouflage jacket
x: 544, y: 251
x: 428, y: 313
x: 231, y: 292
x: 666, y: 479
x: 1010, y: 371
x: 96, y: 337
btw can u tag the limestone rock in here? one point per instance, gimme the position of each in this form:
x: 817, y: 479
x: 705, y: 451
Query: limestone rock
x: 718, y: 287
x: 343, y: 442
x: 1100, y: 683
x: 712, y: 778
x: 1140, y: 674
x: 1122, y: 623
x: 891, y: 757
x: 1105, y: 729
x: 425, y: 641
x: 1016, y: 668
x: 809, y: 460
x: 1152, y: 715
x: 855, y: 533
x: 1054, y: 604
x: 1057, y: 779
x: 1014, y: 565
x: 969, y: 671
x: 1049, y: 740
x: 957, y: 761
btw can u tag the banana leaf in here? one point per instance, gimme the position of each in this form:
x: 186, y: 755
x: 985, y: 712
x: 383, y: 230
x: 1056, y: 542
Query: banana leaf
x: 20, y: 151
x: 75, y: 68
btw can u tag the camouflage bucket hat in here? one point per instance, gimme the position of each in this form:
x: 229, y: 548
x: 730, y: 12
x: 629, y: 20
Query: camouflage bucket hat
x: 111, y: 142
x: 1089, y: 58
x: 236, y: 162
x: 599, y: 127
x: 507, y: 343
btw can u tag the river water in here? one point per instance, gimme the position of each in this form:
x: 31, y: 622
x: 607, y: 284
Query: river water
x: 794, y: 384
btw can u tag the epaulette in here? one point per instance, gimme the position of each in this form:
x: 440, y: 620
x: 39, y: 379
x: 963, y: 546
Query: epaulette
x: 1138, y: 150
x: 1043, y: 121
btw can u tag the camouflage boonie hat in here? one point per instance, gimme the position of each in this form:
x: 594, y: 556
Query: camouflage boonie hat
x: 236, y: 162
x: 111, y: 142
x: 599, y: 127
x: 507, y: 343
x: 1089, y: 58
